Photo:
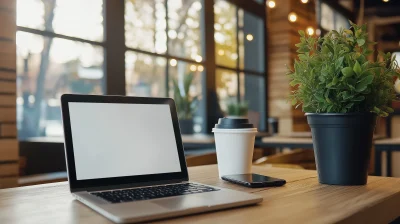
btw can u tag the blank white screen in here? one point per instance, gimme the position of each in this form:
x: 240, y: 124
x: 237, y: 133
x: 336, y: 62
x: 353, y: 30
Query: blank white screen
x: 114, y: 140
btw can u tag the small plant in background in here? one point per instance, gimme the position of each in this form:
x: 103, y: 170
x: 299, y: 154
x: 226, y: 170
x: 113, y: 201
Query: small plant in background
x: 333, y: 74
x: 186, y: 105
x: 237, y: 109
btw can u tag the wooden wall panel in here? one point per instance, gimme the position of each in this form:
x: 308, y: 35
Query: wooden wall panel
x: 7, y: 101
x: 9, y: 152
x: 7, y: 87
x: 8, y: 182
x: 7, y: 54
x: 11, y: 169
x: 8, y: 5
x: 8, y: 130
x: 282, y: 37
x: 7, y: 31
x: 8, y: 76
x: 8, y: 115
x: 9, y: 149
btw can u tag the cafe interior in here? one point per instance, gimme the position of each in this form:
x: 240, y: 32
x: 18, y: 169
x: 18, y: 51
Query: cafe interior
x: 218, y: 58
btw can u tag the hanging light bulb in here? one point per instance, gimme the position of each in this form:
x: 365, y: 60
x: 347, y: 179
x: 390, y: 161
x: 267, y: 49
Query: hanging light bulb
x: 249, y: 37
x: 271, y: 4
x: 310, y: 30
x: 173, y: 62
x: 193, y: 68
x: 292, y: 17
x: 200, y: 68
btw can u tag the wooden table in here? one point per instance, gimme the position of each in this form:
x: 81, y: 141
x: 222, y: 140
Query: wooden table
x: 301, y: 200
x: 302, y: 140
x: 281, y: 142
x: 385, y: 145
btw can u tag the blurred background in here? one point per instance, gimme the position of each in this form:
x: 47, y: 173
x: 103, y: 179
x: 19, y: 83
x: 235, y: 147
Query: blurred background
x: 219, y: 57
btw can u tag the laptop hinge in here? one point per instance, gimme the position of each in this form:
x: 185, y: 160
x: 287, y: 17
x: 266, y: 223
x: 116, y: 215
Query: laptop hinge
x: 121, y: 186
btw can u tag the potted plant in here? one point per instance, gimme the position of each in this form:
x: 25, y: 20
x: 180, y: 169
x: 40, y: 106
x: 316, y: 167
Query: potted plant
x: 185, y: 104
x: 342, y: 93
x: 237, y: 109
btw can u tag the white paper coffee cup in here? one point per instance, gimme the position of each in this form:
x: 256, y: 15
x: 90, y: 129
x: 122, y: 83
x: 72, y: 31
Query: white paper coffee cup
x: 235, y: 149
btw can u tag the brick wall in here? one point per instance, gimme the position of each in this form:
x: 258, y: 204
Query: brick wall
x: 9, y: 153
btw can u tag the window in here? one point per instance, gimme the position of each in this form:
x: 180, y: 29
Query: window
x: 164, y: 40
x: 331, y: 19
x: 48, y: 66
x: 240, y: 59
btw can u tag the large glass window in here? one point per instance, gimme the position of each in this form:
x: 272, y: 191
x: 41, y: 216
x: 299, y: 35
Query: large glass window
x: 145, y: 25
x: 240, y: 59
x: 62, y: 48
x: 331, y: 19
x: 145, y: 75
x: 185, y: 25
x: 164, y: 43
x: 47, y: 67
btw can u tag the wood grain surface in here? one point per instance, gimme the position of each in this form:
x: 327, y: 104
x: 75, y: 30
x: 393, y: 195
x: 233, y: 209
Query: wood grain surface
x: 301, y: 200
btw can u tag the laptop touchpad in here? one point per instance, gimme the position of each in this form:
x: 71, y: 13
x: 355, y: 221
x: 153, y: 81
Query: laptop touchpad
x: 181, y: 203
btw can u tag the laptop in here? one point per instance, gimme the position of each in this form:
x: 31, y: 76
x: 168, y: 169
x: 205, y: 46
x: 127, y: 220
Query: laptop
x: 125, y: 160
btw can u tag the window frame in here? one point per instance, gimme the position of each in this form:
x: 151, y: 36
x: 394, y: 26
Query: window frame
x: 253, y: 8
x: 114, y: 52
x: 337, y: 9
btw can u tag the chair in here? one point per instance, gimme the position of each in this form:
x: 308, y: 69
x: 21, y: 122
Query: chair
x: 298, y: 158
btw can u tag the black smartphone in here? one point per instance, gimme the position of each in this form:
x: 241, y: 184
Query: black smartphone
x: 254, y: 180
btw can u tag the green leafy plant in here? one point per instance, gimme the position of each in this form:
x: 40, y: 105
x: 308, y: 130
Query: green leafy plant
x: 186, y: 105
x: 333, y: 74
x: 237, y: 109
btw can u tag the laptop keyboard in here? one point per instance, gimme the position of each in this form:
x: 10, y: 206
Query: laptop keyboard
x: 147, y: 193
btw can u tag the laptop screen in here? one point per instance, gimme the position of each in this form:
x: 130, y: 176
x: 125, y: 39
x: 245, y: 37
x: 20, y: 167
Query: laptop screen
x: 117, y: 140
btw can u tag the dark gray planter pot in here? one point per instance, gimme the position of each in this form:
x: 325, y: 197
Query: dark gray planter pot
x: 186, y: 126
x: 342, y: 146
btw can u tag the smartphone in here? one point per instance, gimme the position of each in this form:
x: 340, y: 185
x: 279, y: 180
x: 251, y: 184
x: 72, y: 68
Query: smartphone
x: 254, y: 180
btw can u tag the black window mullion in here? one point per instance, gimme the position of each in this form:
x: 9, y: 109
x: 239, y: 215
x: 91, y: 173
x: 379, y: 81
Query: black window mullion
x: 168, y: 58
x: 250, y: 6
x: 266, y: 65
x: 211, y: 94
x: 237, y: 53
x: 51, y: 34
x: 115, y: 47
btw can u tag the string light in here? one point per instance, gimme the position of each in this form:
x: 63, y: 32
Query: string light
x: 310, y: 30
x: 249, y: 37
x: 292, y: 17
x: 200, y: 68
x: 198, y: 58
x: 193, y: 68
x: 271, y: 4
x: 173, y: 62
x: 385, y: 0
x: 221, y: 52
x: 304, y: 1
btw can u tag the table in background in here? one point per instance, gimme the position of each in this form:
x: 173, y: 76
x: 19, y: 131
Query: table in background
x: 189, y: 141
x: 301, y: 200
x: 281, y: 142
x: 385, y: 145
x: 33, y: 149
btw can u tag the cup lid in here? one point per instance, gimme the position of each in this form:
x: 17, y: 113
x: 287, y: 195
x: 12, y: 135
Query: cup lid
x: 233, y: 123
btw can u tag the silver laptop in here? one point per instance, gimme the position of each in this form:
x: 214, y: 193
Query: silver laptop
x: 126, y: 161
